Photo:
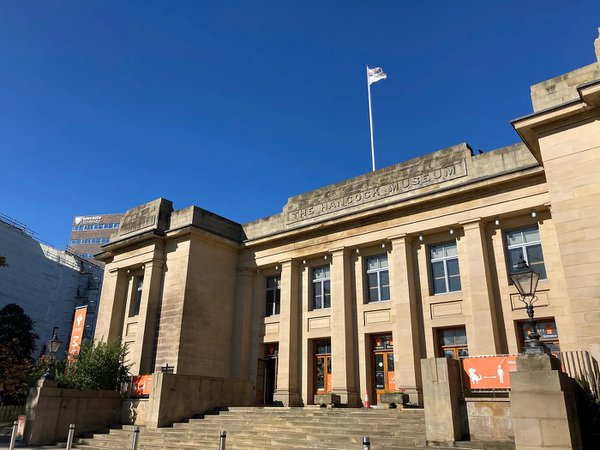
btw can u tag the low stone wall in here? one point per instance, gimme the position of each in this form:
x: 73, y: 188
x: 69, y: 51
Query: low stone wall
x: 134, y: 411
x: 50, y: 410
x: 487, y: 419
x: 175, y: 397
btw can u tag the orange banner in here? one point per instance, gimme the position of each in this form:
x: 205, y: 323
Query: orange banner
x: 77, y: 331
x: 140, y: 385
x: 489, y: 372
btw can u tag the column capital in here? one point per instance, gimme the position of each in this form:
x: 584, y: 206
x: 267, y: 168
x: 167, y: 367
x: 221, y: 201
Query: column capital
x: 473, y: 223
x: 337, y: 250
x: 246, y: 271
x: 292, y: 262
x: 400, y: 238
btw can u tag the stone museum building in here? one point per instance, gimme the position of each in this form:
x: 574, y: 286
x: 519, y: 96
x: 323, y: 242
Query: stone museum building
x: 350, y: 285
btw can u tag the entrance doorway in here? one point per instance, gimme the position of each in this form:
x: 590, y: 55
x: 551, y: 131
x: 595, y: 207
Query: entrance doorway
x: 322, y: 362
x: 384, y: 377
x: 266, y: 375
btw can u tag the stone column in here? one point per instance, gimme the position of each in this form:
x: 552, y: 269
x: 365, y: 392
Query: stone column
x: 111, y: 311
x: 344, y: 382
x: 476, y: 284
x: 142, y: 353
x: 242, y: 329
x: 287, y: 392
x: 543, y: 405
x: 441, y: 395
x: 406, y: 327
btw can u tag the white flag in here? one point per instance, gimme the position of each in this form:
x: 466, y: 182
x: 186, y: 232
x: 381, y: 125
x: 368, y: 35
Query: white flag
x: 375, y: 74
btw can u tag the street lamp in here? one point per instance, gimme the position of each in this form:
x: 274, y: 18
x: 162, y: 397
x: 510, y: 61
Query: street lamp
x: 525, y: 280
x: 52, y: 347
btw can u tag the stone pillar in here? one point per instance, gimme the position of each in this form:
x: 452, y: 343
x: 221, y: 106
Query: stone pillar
x: 287, y: 392
x: 142, y: 353
x: 543, y: 405
x: 111, y: 310
x: 441, y: 394
x: 242, y: 329
x: 476, y: 283
x: 406, y: 327
x: 344, y: 382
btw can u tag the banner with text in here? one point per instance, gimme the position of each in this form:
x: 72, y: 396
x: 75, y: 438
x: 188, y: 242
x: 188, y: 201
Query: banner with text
x: 77, y: 331
x: 489, y: 372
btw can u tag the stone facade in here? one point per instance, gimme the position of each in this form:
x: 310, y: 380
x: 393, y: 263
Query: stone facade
x: 215, y: 298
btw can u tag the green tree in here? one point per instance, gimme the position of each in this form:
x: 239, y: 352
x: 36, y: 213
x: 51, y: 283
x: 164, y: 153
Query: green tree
x: 17, y: 343
x: 99, y: 366
x: 3, y: 262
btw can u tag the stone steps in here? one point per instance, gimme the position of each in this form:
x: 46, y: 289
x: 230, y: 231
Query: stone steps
x: 276, y: 428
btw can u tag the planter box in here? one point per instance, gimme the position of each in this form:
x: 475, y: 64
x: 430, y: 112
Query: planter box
x: 327, y: 399
x: 394, y: 399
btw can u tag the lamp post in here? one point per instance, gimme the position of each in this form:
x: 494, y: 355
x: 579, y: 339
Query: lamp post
x: 52, y: 347
x: 525, y: 280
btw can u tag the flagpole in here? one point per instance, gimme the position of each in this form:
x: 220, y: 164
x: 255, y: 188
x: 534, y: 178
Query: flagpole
x: 371, y: 120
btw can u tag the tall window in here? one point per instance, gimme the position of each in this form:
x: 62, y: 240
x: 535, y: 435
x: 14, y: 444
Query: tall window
x: 525, y: 242
x: 378, y: 278
x: 273, y: 296
x: 321, y: 288
x: 444, y: 268
x: 452, y: 342
x: 136, y: 300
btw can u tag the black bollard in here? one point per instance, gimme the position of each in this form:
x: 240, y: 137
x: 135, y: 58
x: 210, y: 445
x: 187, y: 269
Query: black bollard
x: 136, y: 438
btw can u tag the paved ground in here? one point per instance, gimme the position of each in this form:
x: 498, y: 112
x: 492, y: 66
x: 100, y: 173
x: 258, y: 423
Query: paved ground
x: 5, y: 432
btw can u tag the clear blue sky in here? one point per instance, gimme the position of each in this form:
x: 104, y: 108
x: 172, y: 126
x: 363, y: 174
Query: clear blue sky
x: 236, y: 106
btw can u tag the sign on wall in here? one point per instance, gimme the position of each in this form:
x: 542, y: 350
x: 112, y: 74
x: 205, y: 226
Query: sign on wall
x: 77, y: 331
x: 21, y: 427
x: 488, y: 372
x: 141, y: 385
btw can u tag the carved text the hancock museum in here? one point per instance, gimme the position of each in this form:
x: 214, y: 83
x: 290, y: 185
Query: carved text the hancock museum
x: 385, y: 190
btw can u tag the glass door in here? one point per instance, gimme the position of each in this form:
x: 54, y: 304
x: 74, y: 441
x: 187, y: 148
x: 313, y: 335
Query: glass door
x: 383, y: 366
x: 323, y: 380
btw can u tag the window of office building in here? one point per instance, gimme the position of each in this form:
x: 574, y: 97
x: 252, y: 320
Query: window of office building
x: 321, y: 288
x: 452, y: 342
x: 378, y: 278
x: 445, y: 273
x: 136, y: 300
x: 273, y: 296
x: 525, y: 242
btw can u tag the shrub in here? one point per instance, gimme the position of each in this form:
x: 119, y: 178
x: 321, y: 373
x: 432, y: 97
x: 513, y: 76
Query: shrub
x: 99, y: 366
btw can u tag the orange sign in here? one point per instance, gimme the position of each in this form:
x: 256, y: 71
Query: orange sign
x: 140, y: 385
x: 489, y: 372
x: 77, y: 331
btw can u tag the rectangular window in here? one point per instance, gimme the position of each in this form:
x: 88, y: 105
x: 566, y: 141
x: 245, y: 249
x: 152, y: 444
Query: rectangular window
x: 273, y: 296
x: 136, y: 300
x: 547, y: 330
x: 445, y: 274
x: 378, y: 278
x: 452, y: 342
x: 321, y: 288
x: 525, y: 242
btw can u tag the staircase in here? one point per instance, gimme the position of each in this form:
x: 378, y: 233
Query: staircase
x: 277, y: 428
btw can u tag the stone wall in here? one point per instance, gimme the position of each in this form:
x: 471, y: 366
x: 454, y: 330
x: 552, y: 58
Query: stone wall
x: 177, y: 397
x: 487, y: 419
x: 50, y: 410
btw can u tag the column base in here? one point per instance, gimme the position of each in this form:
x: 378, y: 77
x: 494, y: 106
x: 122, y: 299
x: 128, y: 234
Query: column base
x: 287, y: 397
